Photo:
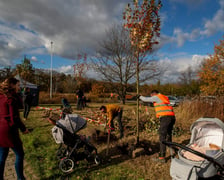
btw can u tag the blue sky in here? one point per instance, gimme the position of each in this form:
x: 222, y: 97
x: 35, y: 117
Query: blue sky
x: 189, y: 31
x: 189, y: 17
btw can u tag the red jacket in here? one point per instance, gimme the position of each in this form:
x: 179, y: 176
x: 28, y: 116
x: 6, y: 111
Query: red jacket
x: 10, y: 121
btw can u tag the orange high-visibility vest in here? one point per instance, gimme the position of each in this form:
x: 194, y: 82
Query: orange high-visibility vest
x: 163, y: 108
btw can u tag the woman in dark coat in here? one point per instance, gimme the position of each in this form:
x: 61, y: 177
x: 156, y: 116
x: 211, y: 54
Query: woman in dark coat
x: 10, y: 123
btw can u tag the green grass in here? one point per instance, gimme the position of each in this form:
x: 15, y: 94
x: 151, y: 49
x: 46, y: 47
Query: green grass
x: 40, y: 150
x: 39, y: 146
x: 40, y: 154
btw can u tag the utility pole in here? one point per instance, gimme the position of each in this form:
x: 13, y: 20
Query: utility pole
x: 51, y: 70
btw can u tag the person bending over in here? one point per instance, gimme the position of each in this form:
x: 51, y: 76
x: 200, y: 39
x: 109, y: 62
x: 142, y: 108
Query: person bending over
x: 113, y: 111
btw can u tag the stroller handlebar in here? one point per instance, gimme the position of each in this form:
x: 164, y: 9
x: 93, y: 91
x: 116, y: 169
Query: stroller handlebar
x: 173, y: 144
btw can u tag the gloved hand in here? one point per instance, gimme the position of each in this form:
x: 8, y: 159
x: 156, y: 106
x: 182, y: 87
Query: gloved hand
x: 137, y: 96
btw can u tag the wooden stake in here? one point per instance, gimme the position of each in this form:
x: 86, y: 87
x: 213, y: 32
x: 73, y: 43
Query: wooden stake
x: 108, y: 142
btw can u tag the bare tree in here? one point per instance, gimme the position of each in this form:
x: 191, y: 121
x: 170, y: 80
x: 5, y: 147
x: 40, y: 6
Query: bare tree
x: 187, y: 76
x: 115, y: 61
x: 6, y: 73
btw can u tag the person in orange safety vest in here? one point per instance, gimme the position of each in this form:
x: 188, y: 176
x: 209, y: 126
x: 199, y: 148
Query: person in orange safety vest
x: 164, y: 111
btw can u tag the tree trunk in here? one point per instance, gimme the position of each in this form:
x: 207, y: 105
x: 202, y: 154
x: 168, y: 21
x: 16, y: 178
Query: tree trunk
x: 137, y: 88
x: 123, y: 100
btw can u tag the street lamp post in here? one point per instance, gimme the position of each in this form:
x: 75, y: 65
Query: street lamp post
x: 51, y: 70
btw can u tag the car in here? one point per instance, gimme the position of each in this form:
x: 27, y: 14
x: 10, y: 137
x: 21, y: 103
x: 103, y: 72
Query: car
x: 173, y: 101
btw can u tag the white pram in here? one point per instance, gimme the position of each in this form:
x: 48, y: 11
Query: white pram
x: 203, y: 157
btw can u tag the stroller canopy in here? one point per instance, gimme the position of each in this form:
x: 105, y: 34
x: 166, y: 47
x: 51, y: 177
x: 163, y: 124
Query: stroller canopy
x: 207, y: 131
x: 72, y: 123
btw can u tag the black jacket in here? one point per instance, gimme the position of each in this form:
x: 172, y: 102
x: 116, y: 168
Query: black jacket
x: 27, y: 98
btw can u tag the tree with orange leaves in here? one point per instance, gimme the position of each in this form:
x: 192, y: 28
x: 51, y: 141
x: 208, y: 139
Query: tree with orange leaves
x: 211, y: 72
x: 143, y: 23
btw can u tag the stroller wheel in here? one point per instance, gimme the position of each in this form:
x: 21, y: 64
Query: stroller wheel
x: 66, y: 165
x: 97, y: 160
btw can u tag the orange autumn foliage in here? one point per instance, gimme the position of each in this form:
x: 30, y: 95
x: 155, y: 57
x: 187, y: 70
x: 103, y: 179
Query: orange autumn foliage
x: 143, y: 22
x: 97, y: 89
x: 211, y: 73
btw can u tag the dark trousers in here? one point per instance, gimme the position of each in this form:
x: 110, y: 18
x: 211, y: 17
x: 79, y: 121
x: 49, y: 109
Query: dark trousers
x: 79, y: 104
x: 18, y: 150
x: 26, y: 110
x: 165, y: 132
x: 119, y: 117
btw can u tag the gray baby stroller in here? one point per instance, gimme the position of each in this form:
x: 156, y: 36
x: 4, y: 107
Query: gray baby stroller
x: 203, y: 157
x: 73, y: 147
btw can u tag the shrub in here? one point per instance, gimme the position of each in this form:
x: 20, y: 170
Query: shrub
x: 56, y: 98
x: 189, y: 111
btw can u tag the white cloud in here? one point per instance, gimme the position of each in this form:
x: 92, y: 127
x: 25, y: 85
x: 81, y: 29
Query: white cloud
x: 28, y: 27
x: 177, y: 64
x: 65, y: 69
x: 211, y: 26
x: 33, y: 58
x: 197, y: 60
x: 216, y: 23
x: 69, y: 70
x: 179, y: 37
x: 14, y: 42
x: 93, y: 74
x: 72, y: 25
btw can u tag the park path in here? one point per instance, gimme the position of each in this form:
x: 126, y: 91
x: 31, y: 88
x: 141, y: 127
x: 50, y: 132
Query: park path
x: 10, y: 173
